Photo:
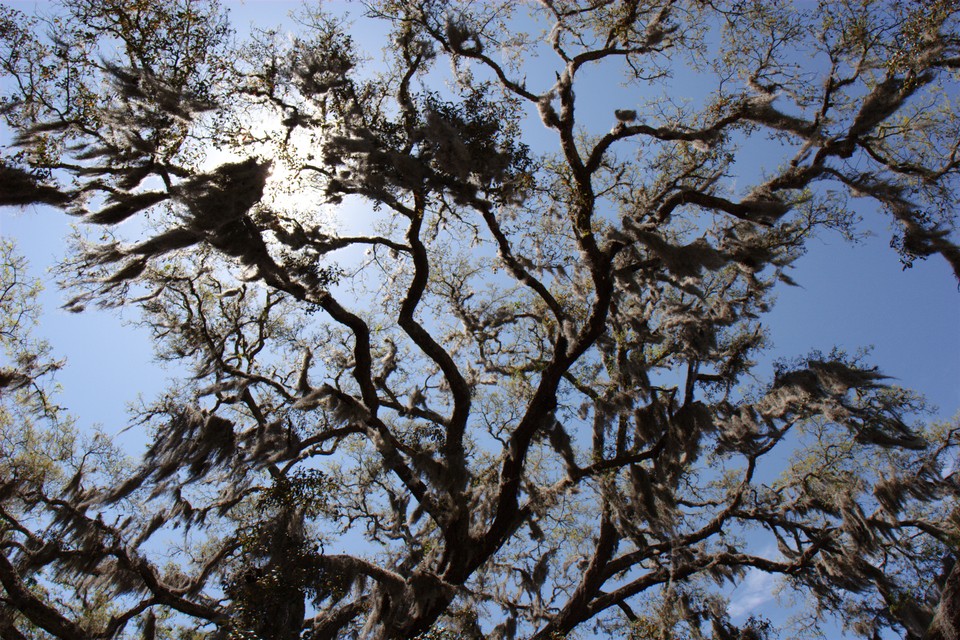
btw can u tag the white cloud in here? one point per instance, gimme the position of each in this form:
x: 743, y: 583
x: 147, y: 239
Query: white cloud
x: 757, y: 589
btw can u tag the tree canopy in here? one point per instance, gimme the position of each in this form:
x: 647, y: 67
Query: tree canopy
x: 514, y: 395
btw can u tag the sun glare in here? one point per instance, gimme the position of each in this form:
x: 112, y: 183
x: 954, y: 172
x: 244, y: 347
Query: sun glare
x: 289, y: 189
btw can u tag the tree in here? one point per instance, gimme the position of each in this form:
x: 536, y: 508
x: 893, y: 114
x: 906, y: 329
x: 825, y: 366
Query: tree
x: 41, y: 455
x: 526, y: 409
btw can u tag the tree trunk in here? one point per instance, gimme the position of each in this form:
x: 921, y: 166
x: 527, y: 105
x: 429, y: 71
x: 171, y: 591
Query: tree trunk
x: 946, y: 619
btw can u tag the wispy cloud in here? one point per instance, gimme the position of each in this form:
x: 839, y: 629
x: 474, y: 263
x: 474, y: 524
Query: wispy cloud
x: 756, y: 590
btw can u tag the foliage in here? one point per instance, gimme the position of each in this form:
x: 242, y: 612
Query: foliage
x: 42, y: 461
x: 519, y: 401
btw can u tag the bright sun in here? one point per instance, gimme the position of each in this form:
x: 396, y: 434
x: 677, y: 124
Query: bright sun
x: 289, y: 189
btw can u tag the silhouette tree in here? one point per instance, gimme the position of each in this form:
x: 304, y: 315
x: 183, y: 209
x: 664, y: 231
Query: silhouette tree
x: 516, y: 403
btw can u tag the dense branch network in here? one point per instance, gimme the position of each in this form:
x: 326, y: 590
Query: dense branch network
x: 524, y: 410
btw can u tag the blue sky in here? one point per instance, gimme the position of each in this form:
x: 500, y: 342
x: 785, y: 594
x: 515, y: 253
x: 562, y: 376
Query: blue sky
x: 850, y: 295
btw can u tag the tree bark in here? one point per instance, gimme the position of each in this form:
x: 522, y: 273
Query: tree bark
x: 946, y: 619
